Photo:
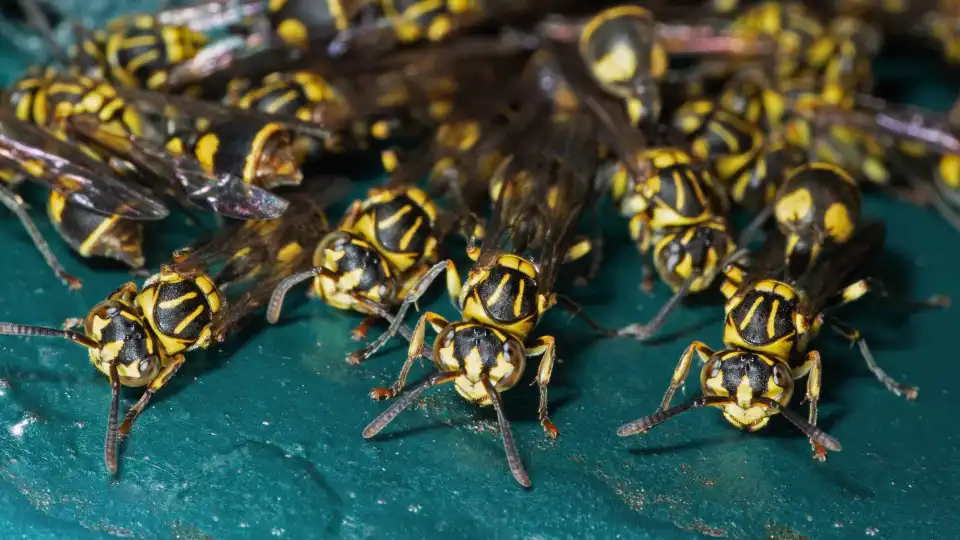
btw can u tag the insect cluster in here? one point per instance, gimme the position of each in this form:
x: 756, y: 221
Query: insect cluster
x: 506, y: 125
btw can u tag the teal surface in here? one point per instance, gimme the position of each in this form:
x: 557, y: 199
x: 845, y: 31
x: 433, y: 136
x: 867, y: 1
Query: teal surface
x: 263, y: 439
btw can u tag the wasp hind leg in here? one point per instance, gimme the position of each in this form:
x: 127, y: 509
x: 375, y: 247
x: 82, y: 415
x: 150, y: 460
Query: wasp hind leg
x: 15, y: 204
x: 546, y: 348
x: 814, y: 377
x: 157, y: 383
x: 907, y: 392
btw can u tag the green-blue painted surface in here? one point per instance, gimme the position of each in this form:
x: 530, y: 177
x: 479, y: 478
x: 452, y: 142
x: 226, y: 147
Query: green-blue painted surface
x: 264, y: 440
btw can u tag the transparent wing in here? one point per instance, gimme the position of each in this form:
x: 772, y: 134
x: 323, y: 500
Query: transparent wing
x: 63, y: 167
x: 223, y: 194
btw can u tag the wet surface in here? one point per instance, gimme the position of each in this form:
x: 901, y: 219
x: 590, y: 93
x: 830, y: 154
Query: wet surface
x: 264, y: 441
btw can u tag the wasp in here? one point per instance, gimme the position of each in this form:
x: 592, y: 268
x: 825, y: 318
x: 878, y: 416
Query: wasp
x: 136, y: 51
x: 381, y: 247
x: 93, y: 208
x: 675, y: 210
x: 507, y: 291
x: 138, y: 337
x: 769, y: 326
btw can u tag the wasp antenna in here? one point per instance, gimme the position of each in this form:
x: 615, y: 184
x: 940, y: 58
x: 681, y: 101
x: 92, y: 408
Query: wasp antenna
x: 509, y: 445
x: 276, y: 299
x: 642, y: 425
x: 110, y: 446
x: 404, y: 401
x: 396, y: 321
x: 812, y: 432
x: 26, y: 330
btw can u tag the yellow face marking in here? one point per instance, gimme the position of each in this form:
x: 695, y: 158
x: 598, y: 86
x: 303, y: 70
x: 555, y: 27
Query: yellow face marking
x: 187, y: 320
x: 110, y: 351
x: 838, y: 223
x: 518, y: 301
x: 750, y: 313
x: 744, y: 392
x: 174, y: 302
x: 411, y: 232
x: 392, y: 220
x: 771, y: 321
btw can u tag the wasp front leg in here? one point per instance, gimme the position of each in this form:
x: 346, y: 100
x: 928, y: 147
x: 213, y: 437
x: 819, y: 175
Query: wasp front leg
x: 437, y: 322
x: 157, y: 383
x: 683, y: 368
x: 813, y: 398
x: 546, y: 348
x: 642, y: 235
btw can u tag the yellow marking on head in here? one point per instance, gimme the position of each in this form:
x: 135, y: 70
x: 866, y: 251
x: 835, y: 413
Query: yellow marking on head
x: 110, y: 351
x: 744, y: 393
x: 518, y: 301
x: 174, y: 302
x: 187, y: 320
x: 750, y: 313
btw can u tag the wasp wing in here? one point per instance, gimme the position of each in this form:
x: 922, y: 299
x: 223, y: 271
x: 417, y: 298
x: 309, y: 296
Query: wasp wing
x: 833, y: 268
x: 182, y: 176
x: 63, y: 167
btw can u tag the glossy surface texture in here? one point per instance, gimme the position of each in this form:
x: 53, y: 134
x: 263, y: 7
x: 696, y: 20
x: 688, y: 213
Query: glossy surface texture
x: 263, y: 440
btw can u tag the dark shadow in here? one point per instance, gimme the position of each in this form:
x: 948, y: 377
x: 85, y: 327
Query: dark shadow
x: 679, y: 447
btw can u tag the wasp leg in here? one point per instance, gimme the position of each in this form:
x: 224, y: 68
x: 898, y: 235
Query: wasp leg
x: 643, y: 332
x: 110, y: 444
x: 641, y: 234
x: 15, y: 204
x: 546, y: 348
x: 360, y: 332
x: 857, y: 290
x: 574, y: 309
x: 351, y: 216
x: 813, y: 398
x: 413, y: 352
x: 157, y: 383
x: 683, y: 368
x: 852, y: 334
x: 276, y: 299
x: 387, y: 416
x: 758, y: 222
x: 414, y: 294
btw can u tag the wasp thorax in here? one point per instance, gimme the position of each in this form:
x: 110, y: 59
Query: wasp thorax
x: 479, y: 351
x: 180, y: 308
x: 124, y: 340
x: 692, y: 252
x: 619, y: 46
